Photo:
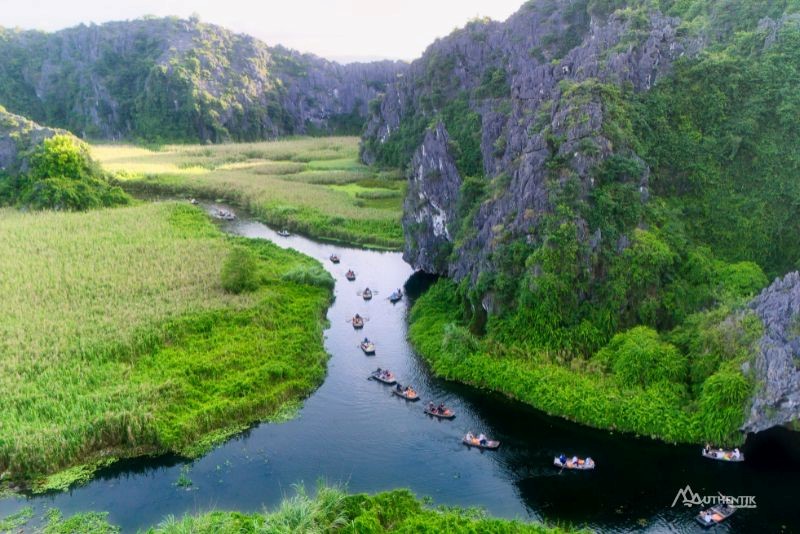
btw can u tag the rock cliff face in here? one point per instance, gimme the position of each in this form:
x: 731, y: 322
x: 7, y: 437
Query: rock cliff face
x: 18, y: 136
x: 180, y: 79
x: 539, y: 82
x: 777, y: 363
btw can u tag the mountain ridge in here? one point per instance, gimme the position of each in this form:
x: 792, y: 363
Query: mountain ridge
x: 183, y: 80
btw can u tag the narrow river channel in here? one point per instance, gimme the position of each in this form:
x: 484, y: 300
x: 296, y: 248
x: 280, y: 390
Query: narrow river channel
x: 354, y: 431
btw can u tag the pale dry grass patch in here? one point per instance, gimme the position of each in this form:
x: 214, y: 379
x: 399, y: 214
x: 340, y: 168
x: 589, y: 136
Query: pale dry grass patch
x: 288, y: 182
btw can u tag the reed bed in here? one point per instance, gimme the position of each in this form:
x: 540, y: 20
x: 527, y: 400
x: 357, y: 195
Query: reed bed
x: 117, y: 338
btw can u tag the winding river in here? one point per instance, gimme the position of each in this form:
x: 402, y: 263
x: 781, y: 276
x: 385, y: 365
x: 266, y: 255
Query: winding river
x: 354, y: 431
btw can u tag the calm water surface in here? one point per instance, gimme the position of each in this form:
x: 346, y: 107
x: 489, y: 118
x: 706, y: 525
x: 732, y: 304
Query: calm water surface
x: 353, y: 431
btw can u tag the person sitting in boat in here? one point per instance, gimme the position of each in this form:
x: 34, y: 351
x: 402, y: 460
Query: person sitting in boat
x: 470, y: 437
x: 367, y: 290
x: 707, y: 449
x: 431, y: 407
x: 589, y: 462
x: 736, y: 454
x: 482, y: 438
x: 398, y: 387
x: 441, y: 409
x: 366, y: 340
x: 358, y: 316
x: 574, y: 461
x: 563, y: 459
x: 410, y: 391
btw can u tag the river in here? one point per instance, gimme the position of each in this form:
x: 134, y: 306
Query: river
x: 354, y: 431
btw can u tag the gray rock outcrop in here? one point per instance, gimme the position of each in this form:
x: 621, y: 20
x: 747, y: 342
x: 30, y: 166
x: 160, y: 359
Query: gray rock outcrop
x: 777, y: 362
x: 18, y: 136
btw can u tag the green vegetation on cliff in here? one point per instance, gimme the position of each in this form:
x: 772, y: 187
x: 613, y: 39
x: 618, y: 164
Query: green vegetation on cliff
x: 330, y: 511
x: 681, y: 386
x: 622, y: 305
x: 121, y: 339
x: 314, y: 186
x: 172, y: 80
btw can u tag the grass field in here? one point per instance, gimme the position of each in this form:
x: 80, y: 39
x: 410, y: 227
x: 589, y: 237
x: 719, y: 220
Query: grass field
x: 314, y: 186
x: 117, y: 338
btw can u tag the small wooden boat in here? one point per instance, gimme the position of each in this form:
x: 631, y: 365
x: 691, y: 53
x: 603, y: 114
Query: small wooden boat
x: 358, y: 322
x: 284, y: 233
x: 334, y: 258
x: 448, y: 413
x: 472, y: 441
x: 367, y: 294
x: 723, y: 455
x: 580, y: 465
x: 368, y: 347
x: 225, y: 215
x: 387, y: 379
x: 403, y: 394
x: 715, y: 515
x: 350, y: 275
x: 395, y: 297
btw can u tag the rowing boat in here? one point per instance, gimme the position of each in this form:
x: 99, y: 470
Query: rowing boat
x: 715, y: 515
x: 472, y: 441
x: 404, y: 395
x: 580, y: 465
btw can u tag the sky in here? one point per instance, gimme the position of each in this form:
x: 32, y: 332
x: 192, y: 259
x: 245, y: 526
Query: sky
x: 342, y: 30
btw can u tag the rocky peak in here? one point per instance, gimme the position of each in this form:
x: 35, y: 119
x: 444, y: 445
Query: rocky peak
x: 539, y: 82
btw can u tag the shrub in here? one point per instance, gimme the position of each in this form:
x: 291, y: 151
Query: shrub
x: 639, y: 357
x: 62, y: 155
x: 239, y: 273
x: 313, y: 275
x: 62, y: 176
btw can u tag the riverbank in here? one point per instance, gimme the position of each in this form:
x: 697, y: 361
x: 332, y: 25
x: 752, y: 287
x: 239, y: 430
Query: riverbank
x: 119, y: 340
x: 639, y: 383
x: 312, y: 186
x: 330, y: 510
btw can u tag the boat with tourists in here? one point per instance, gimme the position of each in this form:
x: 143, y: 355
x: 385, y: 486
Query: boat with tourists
x: 284, y: 232
x: 224, y: 214
x: 367, y: 294
x: 441, y: 411
x: 480, y: 441
x: 579, y: 464
x: 383, y: 375
x: 350, y: 275
x: 368, y: 347
x: 723, y: 455
x: 396, y: 296
x: 715, y: 515
x: 408, y: 393
x: 358, y: 321
x: 334, y: 258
